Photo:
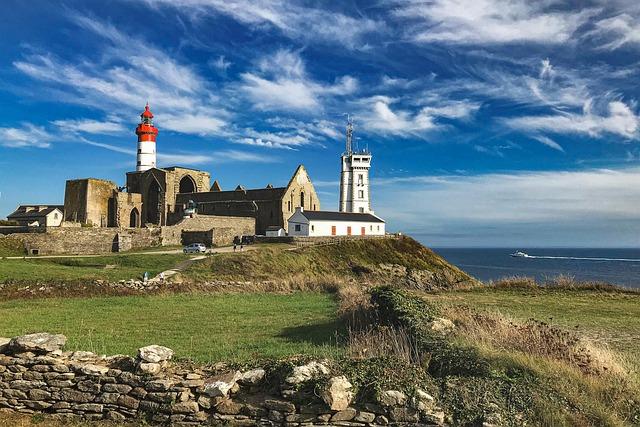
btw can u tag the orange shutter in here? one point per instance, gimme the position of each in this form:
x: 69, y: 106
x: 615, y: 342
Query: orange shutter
x: 333, y: 230
x: 348, y: 231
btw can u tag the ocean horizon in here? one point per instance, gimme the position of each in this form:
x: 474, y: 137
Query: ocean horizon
x: 617, y: 266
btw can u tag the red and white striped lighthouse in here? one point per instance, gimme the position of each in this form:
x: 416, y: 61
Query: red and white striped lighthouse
x: 147, y: 133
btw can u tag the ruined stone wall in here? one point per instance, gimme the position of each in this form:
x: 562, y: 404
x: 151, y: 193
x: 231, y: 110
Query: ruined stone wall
x: 62, y: 240
x: 87, y: 201
x: 36, y: 376
x: 125, y: 204
x: 224, y: 229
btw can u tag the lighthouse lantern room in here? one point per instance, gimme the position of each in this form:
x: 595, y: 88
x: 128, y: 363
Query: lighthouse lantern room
x: 147, y: 133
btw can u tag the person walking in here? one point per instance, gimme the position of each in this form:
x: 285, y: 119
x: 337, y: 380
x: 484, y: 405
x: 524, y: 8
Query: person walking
x: 145, y: 277
x: 162, y: 277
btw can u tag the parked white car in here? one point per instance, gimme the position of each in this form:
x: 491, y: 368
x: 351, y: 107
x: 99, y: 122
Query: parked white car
x: 195, y: 248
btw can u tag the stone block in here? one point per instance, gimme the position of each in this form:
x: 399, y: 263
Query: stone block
x: 37, y: 394
x: 280, y: 405
x: 365, y: 417
x: 88, y: 407
x: 128, y: 402
x: 37, y: 343
x: 345, y: 415
x: 116, y: 388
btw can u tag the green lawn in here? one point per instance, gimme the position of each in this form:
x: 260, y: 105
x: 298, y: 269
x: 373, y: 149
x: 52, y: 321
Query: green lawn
x: 200, y: 327
x: 112, y: 267
x: 607, y: 317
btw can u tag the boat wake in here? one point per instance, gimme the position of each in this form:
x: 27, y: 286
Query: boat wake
x: 582, y: 258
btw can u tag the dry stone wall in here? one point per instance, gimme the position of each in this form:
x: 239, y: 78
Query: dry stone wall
x: 99, y: 240
x: 86, y: 240
x: 36, y: 376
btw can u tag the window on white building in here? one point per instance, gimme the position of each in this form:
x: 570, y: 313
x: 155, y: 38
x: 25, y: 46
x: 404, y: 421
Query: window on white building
x: 360, y: 194
x: 360, y: 179
x: 313, y: 228
x: 361, y: 210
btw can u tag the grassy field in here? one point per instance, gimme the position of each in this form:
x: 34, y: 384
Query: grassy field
x: 348, y: 259
x: 113, y: 267
x: 203, y: 328
x: 612, y: 318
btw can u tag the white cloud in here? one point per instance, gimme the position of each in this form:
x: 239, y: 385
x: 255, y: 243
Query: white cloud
x: 527, y: 208
x: 490, y: 21
x: 549, y: 142
x: 220, y: 63
x: 28, y: 135
x: 285, y: 85
x: 196, y: 124
x: 89, y: 126
x: 618, y: 120
x: 243, y: 156
x: 617, y: 31
x: 130, y: 72
x: 292, y: 18
x: 381, y: 118
x: 184, y: 158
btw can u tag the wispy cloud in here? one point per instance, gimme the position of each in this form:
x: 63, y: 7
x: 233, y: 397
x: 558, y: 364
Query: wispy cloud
x: 89, y: 126
x: 294, y: 19
x: 28, y: 135
x: 617, y: 31
x: 378, y: 116
x: 618, y: 119
x: 490, y: 21
x: 555, y: 207
x: 281, y: 82
x: 131, y: 71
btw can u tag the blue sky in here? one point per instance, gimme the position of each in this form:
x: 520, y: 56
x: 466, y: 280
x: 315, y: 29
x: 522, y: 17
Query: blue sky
x: 492, y: 122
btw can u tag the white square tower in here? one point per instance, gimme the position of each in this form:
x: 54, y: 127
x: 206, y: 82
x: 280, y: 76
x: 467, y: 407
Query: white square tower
x: 354, y: 178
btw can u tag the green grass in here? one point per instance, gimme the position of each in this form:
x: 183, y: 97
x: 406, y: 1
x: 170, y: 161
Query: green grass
x: 203, y: 328
x: 113, y: 267
x: 609, y: 317
x: 346, y: 259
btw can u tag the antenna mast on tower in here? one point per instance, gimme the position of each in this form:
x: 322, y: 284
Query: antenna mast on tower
x: 349, y: 134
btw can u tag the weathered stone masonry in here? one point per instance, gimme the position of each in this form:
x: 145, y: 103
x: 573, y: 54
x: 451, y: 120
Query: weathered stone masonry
x: 37, y: 376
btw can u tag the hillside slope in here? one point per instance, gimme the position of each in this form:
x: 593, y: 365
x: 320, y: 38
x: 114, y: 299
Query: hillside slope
x: 402, y: 261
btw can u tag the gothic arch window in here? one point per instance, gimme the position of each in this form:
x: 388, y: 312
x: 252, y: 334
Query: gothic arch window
x: 134, y: 218
x: 302, y: 199
x: 187, y: 185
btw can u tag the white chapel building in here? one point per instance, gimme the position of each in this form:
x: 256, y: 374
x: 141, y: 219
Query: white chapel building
x: 355, y: 216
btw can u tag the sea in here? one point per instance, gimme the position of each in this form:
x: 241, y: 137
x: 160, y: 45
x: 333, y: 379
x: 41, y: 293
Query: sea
x: 615, y: 266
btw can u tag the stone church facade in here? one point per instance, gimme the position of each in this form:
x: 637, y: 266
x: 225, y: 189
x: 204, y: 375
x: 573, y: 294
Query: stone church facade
x: 270, y: 206
x: 164, y: 196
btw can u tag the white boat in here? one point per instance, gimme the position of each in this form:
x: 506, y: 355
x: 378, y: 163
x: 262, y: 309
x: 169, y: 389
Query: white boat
x: 519, y: 255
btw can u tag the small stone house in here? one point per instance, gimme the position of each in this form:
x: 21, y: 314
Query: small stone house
x: 38, y: 215
x: 327, y: 223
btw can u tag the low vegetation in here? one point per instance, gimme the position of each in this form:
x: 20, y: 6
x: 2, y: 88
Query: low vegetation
x: 10, y: 247
x: 86, y: 269
x: 355, y: 259
x: 508, y: 353
x: 491, y: 369
x: 607, y: 315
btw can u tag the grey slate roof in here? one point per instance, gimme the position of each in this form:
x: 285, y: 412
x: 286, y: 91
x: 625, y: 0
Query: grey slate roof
x: 340, y: 216
x: 21, y: 214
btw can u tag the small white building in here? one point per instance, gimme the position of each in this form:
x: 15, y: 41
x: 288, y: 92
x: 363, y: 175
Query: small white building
x: 37, y: 215
x: 275, y: 231
x: 326, y: 223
